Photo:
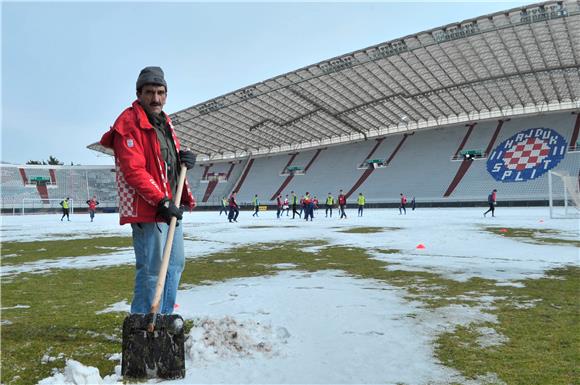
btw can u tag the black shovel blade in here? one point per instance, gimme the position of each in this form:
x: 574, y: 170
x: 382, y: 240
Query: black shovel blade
x: 159, y: 354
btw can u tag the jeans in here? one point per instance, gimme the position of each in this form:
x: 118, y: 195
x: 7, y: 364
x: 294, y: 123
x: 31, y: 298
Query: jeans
x: 148, y: 243
x: 234, y: 212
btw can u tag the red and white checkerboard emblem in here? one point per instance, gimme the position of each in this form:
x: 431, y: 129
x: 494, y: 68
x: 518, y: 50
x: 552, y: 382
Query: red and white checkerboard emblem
x: 526, y: 155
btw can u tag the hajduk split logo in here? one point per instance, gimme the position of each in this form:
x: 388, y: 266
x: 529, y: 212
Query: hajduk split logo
x: 527, y: 155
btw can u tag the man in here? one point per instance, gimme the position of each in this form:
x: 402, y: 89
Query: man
x: 65, y: 209
x: 491, y: 200
x: 234, y: 208
x: 329, y: 204
x: 148, y: 161
x: 93, y: 202
x: 223, y: 208
x: 256, y: 204
x: 361, y: 204
x: 279, y: 206
x: 286, y: 205
x: 295, y: 205
x: 342, y: 204
x: 308, y: 206
x: 403, y: 204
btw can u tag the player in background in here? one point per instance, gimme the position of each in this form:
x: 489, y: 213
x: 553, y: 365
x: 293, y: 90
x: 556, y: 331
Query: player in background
x: 308, y: 206
x: 413, y: 204
x: 329, y: 204
x: 315, y: 203
x: 491, y: 201
x: 224, y: 206
x: 279, y: 205
x: 295, y: 205
x: 65, y: 209
x: 256, y: 204
x: 286, y: 205
x: 93, y: 202
x: 234, y: 208
x: 361, y: 204
x: 342, y: 204
x: 403, y: 205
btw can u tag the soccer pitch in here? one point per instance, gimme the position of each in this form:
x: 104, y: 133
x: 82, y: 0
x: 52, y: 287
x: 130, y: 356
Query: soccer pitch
x: 486, y: 301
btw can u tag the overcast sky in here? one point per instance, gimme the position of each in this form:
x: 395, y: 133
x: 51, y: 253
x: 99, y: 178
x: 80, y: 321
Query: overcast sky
x: 69, y: 68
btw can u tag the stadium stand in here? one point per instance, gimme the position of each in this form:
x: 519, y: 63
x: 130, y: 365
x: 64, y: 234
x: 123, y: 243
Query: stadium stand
x: 36, y: 186
x: 423, y: 166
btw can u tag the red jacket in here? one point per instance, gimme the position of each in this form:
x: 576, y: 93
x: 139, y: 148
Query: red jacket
x: 342, y: 199
x: 141, y: 171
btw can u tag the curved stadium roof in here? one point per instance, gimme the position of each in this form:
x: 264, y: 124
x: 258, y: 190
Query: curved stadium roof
x: 520, y: 61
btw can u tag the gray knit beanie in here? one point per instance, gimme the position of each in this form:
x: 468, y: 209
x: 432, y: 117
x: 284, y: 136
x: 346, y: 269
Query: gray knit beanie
x: 151, y: 75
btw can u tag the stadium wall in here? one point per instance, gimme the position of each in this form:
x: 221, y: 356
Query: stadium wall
x: 423, y: 164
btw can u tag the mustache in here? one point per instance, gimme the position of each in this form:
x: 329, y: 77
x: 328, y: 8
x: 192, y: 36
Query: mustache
x: 155, y: 104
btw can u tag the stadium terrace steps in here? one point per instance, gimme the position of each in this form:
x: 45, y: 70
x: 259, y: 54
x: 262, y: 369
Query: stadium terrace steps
x: 367, y: 171
x: 291, y: 176
x: 421, y: 167
x: 466, y: 163
x: 335, y: 168
x: 210, y: 187
x: 76, y: 182
x: 288, y: 178
x: 465, y: 138
x: 244, y: 175
x: 224, y: 188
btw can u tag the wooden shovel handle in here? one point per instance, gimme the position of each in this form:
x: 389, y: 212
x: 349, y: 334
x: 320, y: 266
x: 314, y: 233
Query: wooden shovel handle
x: 166, y: 252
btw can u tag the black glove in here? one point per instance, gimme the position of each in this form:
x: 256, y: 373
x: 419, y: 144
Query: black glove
x: 187, y: 158
x: 167, y: 209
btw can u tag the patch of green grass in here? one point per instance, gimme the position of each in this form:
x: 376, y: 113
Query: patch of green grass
x: 388, y: 251
x: 366, y: 230
x: 544, y: 339
x: 536, y: 236
x: 20, y: 252
x: 62, y: 319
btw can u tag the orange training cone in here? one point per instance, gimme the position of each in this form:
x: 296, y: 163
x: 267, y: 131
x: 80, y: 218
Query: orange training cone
x: 420, y: 246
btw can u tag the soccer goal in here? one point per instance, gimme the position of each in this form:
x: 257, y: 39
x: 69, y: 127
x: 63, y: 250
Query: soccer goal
x: 44, y: 206
x: 564, y: 195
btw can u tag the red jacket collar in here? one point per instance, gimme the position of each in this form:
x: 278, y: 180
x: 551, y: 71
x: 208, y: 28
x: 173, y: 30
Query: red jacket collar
x: 142, y: 115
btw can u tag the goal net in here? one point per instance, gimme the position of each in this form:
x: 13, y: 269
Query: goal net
x: 564, y: 195
x: 43, y: 206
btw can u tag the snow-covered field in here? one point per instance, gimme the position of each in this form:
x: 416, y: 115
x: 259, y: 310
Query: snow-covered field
x: 322, y: 327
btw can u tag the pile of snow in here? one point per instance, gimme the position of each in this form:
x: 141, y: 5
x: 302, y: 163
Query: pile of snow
x: 215, y: 339
x: 76, y: 373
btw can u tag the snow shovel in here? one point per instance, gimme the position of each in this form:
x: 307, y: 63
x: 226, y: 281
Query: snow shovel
x: 154, y: 344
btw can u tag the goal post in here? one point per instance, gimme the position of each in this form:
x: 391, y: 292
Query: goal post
x: 49, y: 205
x: 563, y: 195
